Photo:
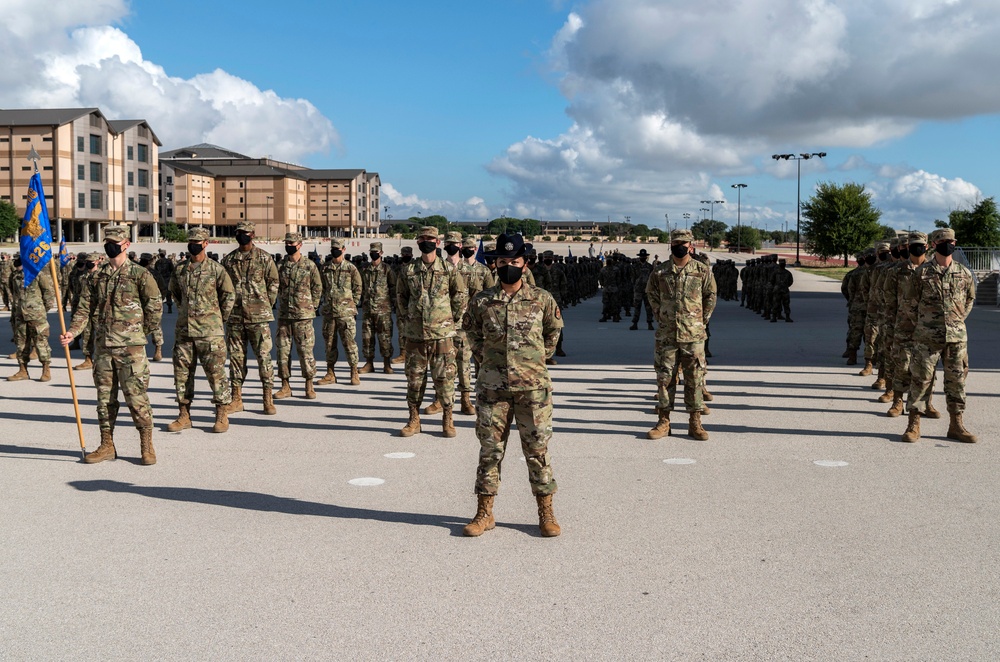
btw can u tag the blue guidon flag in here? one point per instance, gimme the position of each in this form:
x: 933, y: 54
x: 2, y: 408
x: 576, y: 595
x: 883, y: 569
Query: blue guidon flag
x: 36, y: 233
x: 481, y: 253
x: 63, y: 253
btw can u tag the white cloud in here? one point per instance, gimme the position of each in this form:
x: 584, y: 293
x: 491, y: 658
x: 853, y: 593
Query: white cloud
x: 71, y: 55
x: 923, y: 192
x: 404, y: 206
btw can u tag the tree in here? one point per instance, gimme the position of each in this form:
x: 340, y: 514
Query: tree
x: 705, y: 228
x: 172, y: 233
x: 743, y: 236
x: 979, y: 226
x: 840, y: 220
x: 9, y: 222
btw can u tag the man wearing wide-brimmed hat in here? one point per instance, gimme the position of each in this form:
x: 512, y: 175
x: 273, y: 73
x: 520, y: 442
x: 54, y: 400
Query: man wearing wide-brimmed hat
x: 642, y: 270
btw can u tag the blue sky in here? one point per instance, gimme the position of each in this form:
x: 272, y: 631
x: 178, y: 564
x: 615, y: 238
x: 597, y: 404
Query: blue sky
x: 588, y: 109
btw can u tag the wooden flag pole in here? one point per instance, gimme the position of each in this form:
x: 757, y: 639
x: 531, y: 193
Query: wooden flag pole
x: 69, y: 367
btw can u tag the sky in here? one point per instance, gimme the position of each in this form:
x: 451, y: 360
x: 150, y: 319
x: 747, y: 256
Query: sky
x: 550, y: 109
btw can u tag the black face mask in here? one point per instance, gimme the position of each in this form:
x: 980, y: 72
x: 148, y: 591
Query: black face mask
x: 195, y: 248
x: 468, y: 252
x: 112, y: 250
x: 291, y: 250
x: 904, y: 252
x: 548, y: 263
x: 944, y: 248
x: 89, y: 265
x: 509, y: 274
x: 427, y: 246
x: 17, y: 262
x: 374, y: 255
x: 81, y: 265
x: 242, y: 238
x: 406, y: 258
x: 643, y: 258
x: 894, y: 252
x: 916, y: 250
x: 451, y: 249
x: 680, y: 250
x: 335, y: 252
x: 883, y: 257
x: 870, y: 260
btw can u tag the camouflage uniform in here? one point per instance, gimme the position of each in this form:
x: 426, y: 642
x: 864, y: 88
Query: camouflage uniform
x: 643, y: 269
x: 146, y: 261
x: 906, y: 321
x: 781, y: 293
x: 432, y: 297
x: 378, y: 296
x: 300, y: 289
x: 255, y: 281
x: 342, y: 290
x: 124, y: 306
x: 683, y: 299
x: 205, y: 297
x: 478, y: 277
x: 609, y: 279
x: 29, y: 315
x: 849, y: 288
x: 6, y: 266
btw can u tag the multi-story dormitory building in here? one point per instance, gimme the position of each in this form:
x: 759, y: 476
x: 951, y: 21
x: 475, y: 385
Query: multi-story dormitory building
x: 97, y: 171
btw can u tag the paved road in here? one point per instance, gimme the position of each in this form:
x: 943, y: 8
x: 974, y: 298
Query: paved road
x: 254, y: 545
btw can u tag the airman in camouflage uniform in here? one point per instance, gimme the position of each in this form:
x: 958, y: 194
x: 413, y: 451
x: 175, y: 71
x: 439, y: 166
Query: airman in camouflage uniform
x: 432, y: 297
x: 871, y: 283
x: 610, y: 280
x: 147, y: 261
x: 71, y: 300
x: 682, y: 293
x: 478, y: 277
x: 512, y: 328
x: 342, y: 291
x: 164, y: 268
x: 849, y: 288
x: 889, y: 314
x: 552, y: 279
x: 781, y: 293
x: 6, y: 266
x: 378, y: 298
x: 300, y: 289
x: 943, y: 293
x: 205, y: 297
x: 123, y: 303
x: 255, y: 281
x: 643, y: 270
x: 405, y: 257
x: 29, y: 318
x: 86, y: 281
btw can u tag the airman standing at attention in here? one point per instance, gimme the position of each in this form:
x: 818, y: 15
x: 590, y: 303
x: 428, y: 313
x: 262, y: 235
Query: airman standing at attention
x: 6, y: 266
x: 255, y: 280
x: 342, y: 290
x: 146, y: 261
x: 405, y: 257
x: 849, y: 288
x: 643, y: 270
x: 378, y: 297
x: 682, y: 293
x: 30, y: 319
x: 300, y: 289
x: 205, y: 298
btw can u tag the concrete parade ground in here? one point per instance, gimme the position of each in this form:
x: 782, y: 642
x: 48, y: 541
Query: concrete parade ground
x: 802, y: 530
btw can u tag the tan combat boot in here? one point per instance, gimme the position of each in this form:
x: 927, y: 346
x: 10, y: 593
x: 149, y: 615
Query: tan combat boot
x: 912, y: 428
x: 467, y: 407
x: 662, y: 428
x: 106, y: 451
x: 157, y: 357
x: 183, y: 421
x: 368, y: 367
x: 221, y: 419
x: 269, y: 409
x: 46, y: 373
x: 412, y: 426
x: 146, y: 447
x: 887, y: 396
x: 897, y: 405
x: 694, y: 427
x: 867, y: 370
x: 329, y: 377
x: 957, y: 431
x: 285, y: 391
x: 86, y: 365
x: 21, y: 374
x: 547, y: 523
x: 852, y: 358
x: 931, y: 411
x: 433, y: 408
x: 401, y: 358
x: 483, y: 521
x: 237, y: 402
x: 310, y: 390
x: 706, y: 396
x: 387, y: 367
x: 355, y: 377
x: 448, y: 423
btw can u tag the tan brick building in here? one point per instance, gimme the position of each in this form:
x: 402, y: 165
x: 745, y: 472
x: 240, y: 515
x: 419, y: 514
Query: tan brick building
x: 95, y: 171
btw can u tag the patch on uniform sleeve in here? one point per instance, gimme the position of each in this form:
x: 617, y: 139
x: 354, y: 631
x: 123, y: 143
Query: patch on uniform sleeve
x: 558, y: 313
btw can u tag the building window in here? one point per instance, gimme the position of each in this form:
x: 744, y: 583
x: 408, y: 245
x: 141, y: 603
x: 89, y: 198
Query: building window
x: 143, y: 132
x: 26, y: 140
x: 241, y: 184
x: 95, y: 145
x: 170, y: 212
x: 170, y: 180
x: 25, y: 167
x: 95, y: 199
x: 144, y: 178
x: 170, y: 196
x: 81, y: 172
x: 47, y: 139
x: 128, y: 152
x: 143, y: 204
x: 81, y: 200
x: 4, y: 140
x: 79, y: 143
x: 95, y: 172
x: 131, y: 204
x: 143, y: 152
x: 131, y: 178
x: 46, y: 168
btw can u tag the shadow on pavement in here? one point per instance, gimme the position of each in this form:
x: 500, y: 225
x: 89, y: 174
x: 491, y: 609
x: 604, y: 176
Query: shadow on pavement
x: 31, y: 450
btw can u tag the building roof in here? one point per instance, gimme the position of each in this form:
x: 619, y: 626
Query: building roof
x: 350, y: 173
x: 253, y: 168
x: 44, y: 116
x: 121, y: 126
x: 202, y: 151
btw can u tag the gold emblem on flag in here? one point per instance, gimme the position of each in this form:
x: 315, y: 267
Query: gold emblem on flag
x: 31, y: 227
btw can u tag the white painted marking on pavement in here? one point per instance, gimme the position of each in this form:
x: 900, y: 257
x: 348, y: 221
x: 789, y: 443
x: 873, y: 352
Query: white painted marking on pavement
x: 366, y: 482
x: 830, y: 463
x: 399, y: 456
x: 679, y: 460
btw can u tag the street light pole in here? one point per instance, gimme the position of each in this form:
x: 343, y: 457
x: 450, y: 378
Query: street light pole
x: 666, y: 222
x: 739, y: 207
x: 712, y: 204
x: 798, y: 202
x: 687, y: 217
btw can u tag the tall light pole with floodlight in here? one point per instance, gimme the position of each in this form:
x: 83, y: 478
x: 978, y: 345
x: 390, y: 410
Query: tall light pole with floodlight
x: 687, y: 217
x: 798, y: 203
x: 739, y: 207
x: 712, y: 204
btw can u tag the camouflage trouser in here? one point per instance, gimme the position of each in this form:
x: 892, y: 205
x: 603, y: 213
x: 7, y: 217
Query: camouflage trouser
x: 494, y: 412
x: 157, y: 336
x: 31, y: 335
x: 463, y: 358
x: 304, y: 336
x: 211, y: 352
x: 376, y: 325
x: 86, y: 338
x: 128, y: 368
x: 639, y: 303
x: 610, y: 304
x: 781, y: 300
x: 855, y: 329
x: 689, y: 357
x: 439, y: 355
x: 5, y: 292
x: 258, y: 337
x: 344, y: 328
x: 871, y: 339
x: 887, y: 352
x: 902, y: 364
x: 955, y: 359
